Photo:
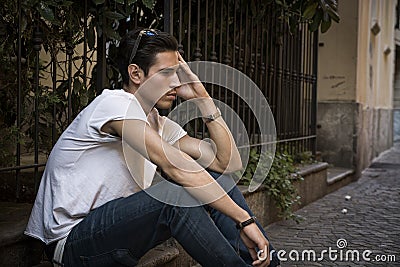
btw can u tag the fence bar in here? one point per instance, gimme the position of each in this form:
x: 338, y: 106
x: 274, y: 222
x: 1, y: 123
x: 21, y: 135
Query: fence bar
x: 189, y: 48
x: 18, y: 168
x: 101, y: 63
x: 168, y: 16
x: 281, y: 141
x: 180, y: 46
x: 19, y: 76
x: 37, y: 46
x: 70, y: 52
x: 85, y: 44
x: 206, y: 34
x: 314, y: 93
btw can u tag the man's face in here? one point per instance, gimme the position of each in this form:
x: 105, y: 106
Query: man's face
x: 159, y: 86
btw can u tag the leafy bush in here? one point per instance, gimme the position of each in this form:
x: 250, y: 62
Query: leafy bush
x: 279, y: 182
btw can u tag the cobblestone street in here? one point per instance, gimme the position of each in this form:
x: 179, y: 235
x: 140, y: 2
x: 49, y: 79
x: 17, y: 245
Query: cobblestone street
x: 372, y: 222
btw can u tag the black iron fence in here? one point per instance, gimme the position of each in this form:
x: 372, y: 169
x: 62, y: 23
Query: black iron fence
x: 44, y: 87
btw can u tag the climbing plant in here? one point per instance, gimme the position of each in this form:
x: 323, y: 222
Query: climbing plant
x: 279, y: 181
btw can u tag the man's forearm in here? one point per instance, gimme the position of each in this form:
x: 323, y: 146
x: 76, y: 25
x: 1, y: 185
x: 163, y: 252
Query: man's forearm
x: 227, y: 153
x: 203, y: 187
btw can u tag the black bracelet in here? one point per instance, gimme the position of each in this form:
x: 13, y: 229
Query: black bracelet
x: 241, y: 225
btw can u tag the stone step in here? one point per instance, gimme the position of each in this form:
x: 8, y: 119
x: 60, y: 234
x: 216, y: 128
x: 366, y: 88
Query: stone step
x: 44, y: 264
x: 162, y: 255
x: 339, y: 177
x: 16, y: 249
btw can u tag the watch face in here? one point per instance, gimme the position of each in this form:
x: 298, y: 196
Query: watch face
x: 212, y: 117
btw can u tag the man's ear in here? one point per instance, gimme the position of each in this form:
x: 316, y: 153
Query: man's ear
x: 134, y: 73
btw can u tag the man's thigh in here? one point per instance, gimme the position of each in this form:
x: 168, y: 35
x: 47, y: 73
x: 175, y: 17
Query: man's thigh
x: 120, y: 231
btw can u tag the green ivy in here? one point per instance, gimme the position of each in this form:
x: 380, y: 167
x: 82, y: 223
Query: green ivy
x: 279, y: 182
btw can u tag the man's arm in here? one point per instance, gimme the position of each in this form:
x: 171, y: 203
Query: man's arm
x: 180, y: 167
x: 221, y: 154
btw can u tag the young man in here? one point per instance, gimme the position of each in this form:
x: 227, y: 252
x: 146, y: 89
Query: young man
x: 91, y: 210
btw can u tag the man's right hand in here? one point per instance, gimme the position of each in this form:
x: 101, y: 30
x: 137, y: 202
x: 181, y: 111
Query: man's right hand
x: 255, y: 241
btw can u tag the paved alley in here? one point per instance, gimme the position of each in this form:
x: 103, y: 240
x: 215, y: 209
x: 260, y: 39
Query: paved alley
x: 358, y: 225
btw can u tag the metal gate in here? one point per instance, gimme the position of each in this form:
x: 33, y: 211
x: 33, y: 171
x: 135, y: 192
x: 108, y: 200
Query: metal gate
x: 44, y: 85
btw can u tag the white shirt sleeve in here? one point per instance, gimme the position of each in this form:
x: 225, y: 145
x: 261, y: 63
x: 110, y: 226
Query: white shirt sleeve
x: 172, y: 131
x: 115, y: 107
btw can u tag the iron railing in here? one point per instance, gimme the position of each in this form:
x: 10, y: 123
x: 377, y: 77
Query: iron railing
x: 281, y: 63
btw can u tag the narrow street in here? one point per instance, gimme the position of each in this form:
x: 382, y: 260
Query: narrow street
x: 358, y: 225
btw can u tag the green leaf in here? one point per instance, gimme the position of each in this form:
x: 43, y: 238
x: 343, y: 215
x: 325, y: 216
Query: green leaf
x: 149, y: 3
x: 120, y: 1
x: 66, y: 3
x: 293, y: 24
x: 130, y: 2
x: 91, y: 37
x: 46, y: 12
x: 334, y: 15
x: 59, y: 3
x: 109, y: 32
x: 309, y: 12
x: 313, y: 26
x: 113, y: 15
x: 77, y: 86
x: 83, y: 99
x: 98, y: 2
x: 325, y: 25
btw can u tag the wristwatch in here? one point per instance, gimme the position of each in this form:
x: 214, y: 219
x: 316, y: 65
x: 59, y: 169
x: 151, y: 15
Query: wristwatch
x: 212, y: 117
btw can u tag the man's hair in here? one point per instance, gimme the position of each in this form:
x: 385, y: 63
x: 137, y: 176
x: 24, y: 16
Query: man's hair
x: 149, y: 47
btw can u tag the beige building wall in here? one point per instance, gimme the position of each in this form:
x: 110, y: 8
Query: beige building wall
x: 62, y: 69
x: 355, y: 83
x: 338, y: 56
x: 376, y: 53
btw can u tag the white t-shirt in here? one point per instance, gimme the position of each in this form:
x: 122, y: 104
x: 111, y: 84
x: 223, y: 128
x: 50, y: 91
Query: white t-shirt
x: 88, y: 167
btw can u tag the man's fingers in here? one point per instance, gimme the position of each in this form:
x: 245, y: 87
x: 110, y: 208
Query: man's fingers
x: 180, y: 58
x: 263, y: 254
x: 253, y: 254
x: 263, y: 257
x: 259, y: 263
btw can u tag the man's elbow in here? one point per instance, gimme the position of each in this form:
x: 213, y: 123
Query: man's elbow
x: 231, y: 166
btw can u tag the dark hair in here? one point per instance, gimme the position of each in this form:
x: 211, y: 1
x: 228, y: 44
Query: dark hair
x: 149, y: 47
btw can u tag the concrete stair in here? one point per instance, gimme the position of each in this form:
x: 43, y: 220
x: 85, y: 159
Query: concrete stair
x: 162, y: 255
x: 339, y: 177
x: 16, y: 249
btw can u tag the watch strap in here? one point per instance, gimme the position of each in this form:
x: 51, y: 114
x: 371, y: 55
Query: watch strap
x: 212, y: 117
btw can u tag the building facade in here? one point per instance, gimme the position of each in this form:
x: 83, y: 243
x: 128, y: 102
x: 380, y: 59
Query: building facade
x: 356, y: 84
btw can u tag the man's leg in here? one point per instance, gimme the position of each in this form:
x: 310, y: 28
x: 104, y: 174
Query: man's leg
x: 228, y: 227
x: 123, y: 230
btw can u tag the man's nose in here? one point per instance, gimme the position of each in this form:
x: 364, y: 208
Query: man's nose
x: 175, y: 82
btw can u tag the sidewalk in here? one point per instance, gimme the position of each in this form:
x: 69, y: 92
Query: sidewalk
x: 372, y: 222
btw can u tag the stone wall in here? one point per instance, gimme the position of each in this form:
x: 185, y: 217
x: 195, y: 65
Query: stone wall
x: 396, y: 125
x: 374, y: 135
x: 336, y: 125
x: 350, y: 135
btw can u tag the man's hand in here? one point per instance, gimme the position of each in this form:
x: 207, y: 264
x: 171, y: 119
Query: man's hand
x: 191, y: 86
x: 255, y: 241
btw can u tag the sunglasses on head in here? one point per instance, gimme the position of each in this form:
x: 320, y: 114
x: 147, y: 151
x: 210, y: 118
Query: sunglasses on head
x: 147, y: 32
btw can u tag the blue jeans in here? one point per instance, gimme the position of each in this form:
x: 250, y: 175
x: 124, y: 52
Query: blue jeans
x: 121, y: 231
